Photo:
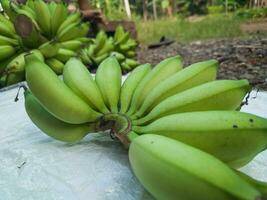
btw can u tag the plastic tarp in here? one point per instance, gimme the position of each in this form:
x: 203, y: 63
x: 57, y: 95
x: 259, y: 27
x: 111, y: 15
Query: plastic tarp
x: 34, y: 166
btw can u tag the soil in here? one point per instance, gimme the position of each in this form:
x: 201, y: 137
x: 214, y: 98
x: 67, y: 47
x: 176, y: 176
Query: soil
x: 239, y: 58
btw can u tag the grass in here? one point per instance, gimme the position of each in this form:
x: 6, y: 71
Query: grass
x: 215, y: 26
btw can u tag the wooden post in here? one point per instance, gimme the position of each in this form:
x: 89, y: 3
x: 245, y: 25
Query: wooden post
x: 145, y: 9
x: 155, y: 10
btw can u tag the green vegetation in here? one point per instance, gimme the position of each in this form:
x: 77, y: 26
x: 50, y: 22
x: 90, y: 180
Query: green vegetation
x: 183, y: 30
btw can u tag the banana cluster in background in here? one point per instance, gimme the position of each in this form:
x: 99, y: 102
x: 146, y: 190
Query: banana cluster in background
x: 122, y: 46
x: 185, y: 133
x: 47, y: 29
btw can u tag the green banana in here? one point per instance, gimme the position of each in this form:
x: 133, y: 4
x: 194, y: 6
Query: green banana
x: 215, y: 95
x: 5, y: 62
x: 58, y: 17
x: 130, y: 54
x: 7, y: 30
x: 72, y: 45
x: 100, y: 41
x: 66, y: 33
x: 5, y: 21
x: 54, y: 95
x: 99, y: 59
x: 71, y: 19
x: 130, y: 84
x: 52, y: 126
x: 108, y: 79
x: 77, y: 77
x: 211, y: 131
x: 5, y: 4
x: 14, y: 78
x: 8, y: 41
x: 171, y: 170
x: 120, y: 57
x: 56, y: 65
x: 6, y: 51
x: 65, y: 54
x: 43, y: 16
x: 50, y: 49
x: 159, y: 73
x: 189, y: 77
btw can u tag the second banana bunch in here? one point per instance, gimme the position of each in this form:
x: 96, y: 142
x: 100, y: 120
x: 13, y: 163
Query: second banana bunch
x: 183, y: 127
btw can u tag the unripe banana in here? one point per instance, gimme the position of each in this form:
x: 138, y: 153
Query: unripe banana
x: 100, y: 59
x: 4, y: 20
x: 77, y: 77
x: 43, y: 16
x: 189, y: 77
x: 215, y: 95
x: 71, y: 19
x: 130, y: 84
x: 54, y: 95
x: 49, y: 49
x: 8, y: 41
x: 119, y: 32
x: 223, y: 134
x: 58, y: 17
x: 6, y: 30
x: 64, y: 54
x: 4, y: 63
x: 100, y: 41
x: 6, y: 51
x: 14, y: 78
x: 120, y: 57
x: 159, y: 73
x: 52, y: 126
x: 72, y: 45
x: 108, y: 79
x: 67, y: 32
x: 130, y: 54
x: 171, y: 170
x: 56, y: 65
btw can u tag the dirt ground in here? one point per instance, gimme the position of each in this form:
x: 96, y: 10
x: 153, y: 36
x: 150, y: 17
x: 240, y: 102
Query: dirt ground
x: 239, y: 58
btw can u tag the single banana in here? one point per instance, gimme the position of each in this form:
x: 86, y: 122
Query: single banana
x: 189, y: 77
x: 8, y: 41
x: 54, y: 95
x: 100, y: 41
x: 120, y: 57
x: 100, y: 59
x: 43, y: 16
x: 14, y: 78
x: 107, y: 48
x: 119, y: 32
x: 171, y: 170
x: 130, y: 54
x: 215, y: 95
x: 72, y: 45
x: 4, y: 20
x: 52, y: 126
x: 49, y: 49
x: 4, y: 63
x: 158, y: 74
x: 74, y: 18
x: 56, y: 65
x: 77, y: 77
x: 220, y: 133
x: 6, y: 51
x: 65, y: 54
x: 67, y: 32
x: 108, y: 79
x: 58, y: 17
x: 130, y: 84
x: 6, y: 30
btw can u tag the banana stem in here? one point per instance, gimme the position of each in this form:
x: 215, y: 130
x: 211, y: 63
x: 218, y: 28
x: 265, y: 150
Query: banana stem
x: 119, y: 124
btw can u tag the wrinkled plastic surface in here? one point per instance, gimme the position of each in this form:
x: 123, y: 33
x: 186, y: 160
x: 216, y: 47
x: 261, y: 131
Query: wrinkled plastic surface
x: 34, y: 166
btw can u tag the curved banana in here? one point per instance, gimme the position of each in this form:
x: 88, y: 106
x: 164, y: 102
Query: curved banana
x: 54, y: 95
x: 171, y: 170
x: 49, y: 49
x: 77, y: 77
x: 52, y: 126
x: 8, y: 41
x: 58, y: 17
x: 215, y: 95
x: 64, y: 54
x: 56, y: 65
x: 72, y: 45
x: 231, y: 136
x: 130, y: 84
x: 71, y: 19
x: 43, y: 16
x: 189, y: 77
x: 6, y: 51
x: 108, y: 79
x: 159, y: 73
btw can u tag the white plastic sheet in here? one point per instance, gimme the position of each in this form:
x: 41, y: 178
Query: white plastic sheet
x: 34, y: 166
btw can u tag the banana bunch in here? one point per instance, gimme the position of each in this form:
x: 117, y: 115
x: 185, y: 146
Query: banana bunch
x: 103, y: 46
x: 182, y: 126
x: 36, y: 26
